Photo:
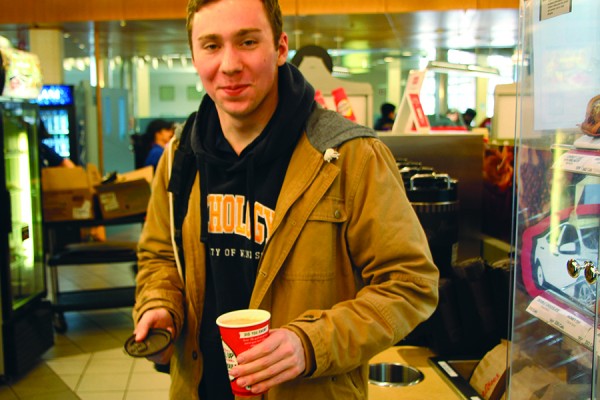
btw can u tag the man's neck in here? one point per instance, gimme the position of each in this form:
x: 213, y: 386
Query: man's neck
x: 240, y: 132
x: 240, y: 136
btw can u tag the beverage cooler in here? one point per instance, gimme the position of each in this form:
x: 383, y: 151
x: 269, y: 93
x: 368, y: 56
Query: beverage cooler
x: 554, y: 352
x: 57, y: 114
x: 25, y: 317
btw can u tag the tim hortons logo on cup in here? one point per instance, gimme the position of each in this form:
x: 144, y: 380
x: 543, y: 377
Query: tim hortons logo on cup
x: 246, y: 340
x: 230, y: 358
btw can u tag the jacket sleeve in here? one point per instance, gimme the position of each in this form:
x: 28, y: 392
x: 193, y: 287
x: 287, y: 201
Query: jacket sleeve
x: 158, y: 284
x: 397, y: 281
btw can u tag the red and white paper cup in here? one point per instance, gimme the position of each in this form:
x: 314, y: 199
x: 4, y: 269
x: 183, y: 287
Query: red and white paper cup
x: 342, y: 103
x: 240, y: 330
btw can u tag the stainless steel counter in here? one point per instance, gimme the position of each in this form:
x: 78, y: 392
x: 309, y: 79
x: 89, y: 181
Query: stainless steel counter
x: 431, y: 387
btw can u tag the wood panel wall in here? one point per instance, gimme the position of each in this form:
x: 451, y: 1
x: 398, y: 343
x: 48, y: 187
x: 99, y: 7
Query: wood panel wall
x: 54, y: 11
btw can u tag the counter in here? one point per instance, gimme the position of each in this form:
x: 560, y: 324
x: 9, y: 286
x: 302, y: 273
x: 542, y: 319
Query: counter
x: 431, y: 387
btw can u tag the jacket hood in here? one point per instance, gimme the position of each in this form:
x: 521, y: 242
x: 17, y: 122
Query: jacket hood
x: 276, y: 142
x: 296, y: 99
x: 327, y: 129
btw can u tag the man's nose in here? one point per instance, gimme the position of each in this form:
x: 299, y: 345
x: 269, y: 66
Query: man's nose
x: 231, y: 61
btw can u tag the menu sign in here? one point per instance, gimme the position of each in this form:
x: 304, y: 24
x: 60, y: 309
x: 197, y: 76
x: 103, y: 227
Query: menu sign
x: 410, y: 117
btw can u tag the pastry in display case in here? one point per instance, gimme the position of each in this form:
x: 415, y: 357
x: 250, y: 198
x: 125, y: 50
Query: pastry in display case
x: 554, y: 316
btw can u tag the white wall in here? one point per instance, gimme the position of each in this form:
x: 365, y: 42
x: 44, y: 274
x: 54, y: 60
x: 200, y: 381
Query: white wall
x: 177, y: 80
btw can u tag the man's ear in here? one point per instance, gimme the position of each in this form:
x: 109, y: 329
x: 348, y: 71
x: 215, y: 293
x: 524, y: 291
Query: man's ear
x: 283, y: 48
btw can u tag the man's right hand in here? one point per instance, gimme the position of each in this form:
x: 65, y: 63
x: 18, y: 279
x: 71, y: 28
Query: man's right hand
x: 156, y: 318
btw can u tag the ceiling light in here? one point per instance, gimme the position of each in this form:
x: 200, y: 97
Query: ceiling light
x: 340, y: 72
x: 477, y: 70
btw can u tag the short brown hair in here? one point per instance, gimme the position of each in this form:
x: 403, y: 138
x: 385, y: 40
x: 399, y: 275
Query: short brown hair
x: 272, y: 10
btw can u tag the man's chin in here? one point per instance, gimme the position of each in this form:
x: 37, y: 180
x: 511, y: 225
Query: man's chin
x: 235, y: 109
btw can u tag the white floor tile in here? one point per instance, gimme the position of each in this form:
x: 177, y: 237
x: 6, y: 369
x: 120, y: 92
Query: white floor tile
x: 149, y: 381
x: 103, y: 382
x: 147, y: 395
x: 71, y: 380
x: 112, y: 354
x: 143, y: 365
x: 112, y: 365
x: 107, y: 395
x: 69, y: 365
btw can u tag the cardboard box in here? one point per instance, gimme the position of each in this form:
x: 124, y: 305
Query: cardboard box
x: 126, y: 196
x: 66, y: 194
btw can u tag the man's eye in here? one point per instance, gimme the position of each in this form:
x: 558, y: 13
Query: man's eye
x: 249, y: 43
x: 210, y: 46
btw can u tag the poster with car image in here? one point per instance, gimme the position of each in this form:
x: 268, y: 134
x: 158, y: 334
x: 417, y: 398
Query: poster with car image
x: 559, y: 251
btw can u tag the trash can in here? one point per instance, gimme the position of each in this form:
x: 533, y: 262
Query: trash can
x: 434, y: 198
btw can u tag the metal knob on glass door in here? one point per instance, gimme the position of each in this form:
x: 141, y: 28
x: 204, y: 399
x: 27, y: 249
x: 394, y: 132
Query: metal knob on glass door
x: 591, y: 272
x: 573, y: 268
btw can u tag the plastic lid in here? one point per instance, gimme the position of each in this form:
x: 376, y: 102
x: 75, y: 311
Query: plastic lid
x: 156, y: 341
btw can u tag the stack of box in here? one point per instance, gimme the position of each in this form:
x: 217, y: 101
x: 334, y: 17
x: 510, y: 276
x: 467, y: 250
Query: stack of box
x: 78, y: 194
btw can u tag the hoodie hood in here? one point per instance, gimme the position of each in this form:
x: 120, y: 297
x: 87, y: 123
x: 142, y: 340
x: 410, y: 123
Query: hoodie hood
x: 296, y: 99
x: 216, y: 160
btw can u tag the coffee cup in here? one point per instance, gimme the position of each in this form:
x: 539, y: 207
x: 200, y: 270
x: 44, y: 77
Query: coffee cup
x: 240, y: 330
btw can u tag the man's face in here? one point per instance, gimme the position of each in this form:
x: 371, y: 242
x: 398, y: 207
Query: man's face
x: 236, y: 59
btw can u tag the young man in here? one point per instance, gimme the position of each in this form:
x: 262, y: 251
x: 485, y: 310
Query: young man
x: 286, y: 215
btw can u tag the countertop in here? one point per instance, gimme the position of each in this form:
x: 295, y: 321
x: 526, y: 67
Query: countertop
x: 431, y: 387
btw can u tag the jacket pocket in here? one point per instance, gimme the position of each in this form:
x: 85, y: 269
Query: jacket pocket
x: 315, y: 254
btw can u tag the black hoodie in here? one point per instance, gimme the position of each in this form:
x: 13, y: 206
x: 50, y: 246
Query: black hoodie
x: 230, y: 185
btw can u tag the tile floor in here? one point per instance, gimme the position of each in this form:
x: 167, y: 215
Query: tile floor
x: 88, y: 361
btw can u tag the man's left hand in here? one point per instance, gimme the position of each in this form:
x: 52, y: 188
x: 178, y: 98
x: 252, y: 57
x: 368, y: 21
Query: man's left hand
x: 277, y: 359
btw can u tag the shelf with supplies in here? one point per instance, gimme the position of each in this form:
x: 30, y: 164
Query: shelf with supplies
x: 83, y: 254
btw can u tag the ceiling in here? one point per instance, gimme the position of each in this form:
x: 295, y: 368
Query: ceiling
x: 485, y: 31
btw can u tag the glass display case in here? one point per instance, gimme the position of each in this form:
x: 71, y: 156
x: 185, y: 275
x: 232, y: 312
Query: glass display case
x: 25, y: 317
x: 554, y: 333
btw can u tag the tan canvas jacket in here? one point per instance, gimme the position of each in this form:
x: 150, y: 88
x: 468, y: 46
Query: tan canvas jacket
x: 347, y: 267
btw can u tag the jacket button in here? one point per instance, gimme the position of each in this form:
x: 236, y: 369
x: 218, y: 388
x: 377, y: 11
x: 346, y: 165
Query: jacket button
x: 194, y: 355
x: 337, y: 214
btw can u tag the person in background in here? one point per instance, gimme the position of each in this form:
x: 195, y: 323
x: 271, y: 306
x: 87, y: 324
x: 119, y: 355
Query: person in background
x: 388, y: 116
x: 285, y: 215
x: 454, y: 117
x: 48, y: 156
x: 158, y: 133
x: 468, y: 117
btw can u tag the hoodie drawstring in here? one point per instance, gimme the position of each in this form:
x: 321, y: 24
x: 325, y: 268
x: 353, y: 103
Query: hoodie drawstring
x: 251, y: 197
x: 201, y: 166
